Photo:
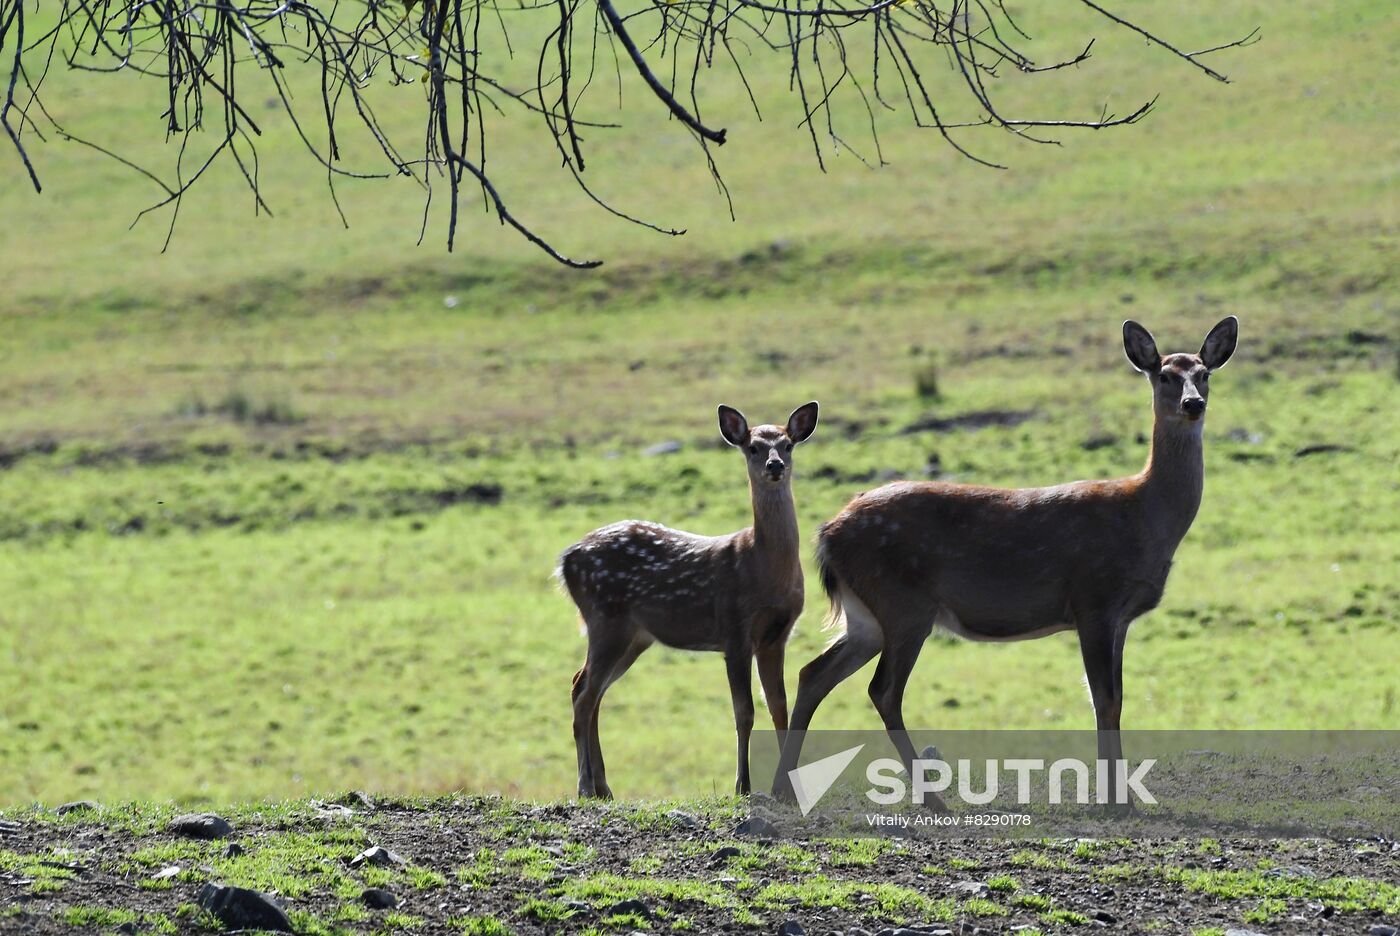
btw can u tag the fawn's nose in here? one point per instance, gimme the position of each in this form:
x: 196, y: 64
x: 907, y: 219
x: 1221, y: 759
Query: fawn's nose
x: 776, y: 467
x: 1193, y: 406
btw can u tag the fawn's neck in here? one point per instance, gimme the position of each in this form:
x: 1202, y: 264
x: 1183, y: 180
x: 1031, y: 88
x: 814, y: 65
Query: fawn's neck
x: 775, y: 523
x: 1174, y: 477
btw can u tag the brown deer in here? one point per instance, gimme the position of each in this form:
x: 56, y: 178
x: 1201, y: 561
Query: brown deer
x: 999, y: 565
x: 636, y: 583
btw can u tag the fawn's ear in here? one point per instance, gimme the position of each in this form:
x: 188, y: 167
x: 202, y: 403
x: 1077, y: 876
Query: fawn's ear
x: 1140, y: 348
x: 803, y: 422
x: 732, y: 425
x: 1220, y: 343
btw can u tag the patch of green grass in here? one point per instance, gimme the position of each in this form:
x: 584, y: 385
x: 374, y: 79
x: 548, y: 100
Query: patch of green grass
x: 1265, y: 910
x: 1345, y: 893
x: 481, y: 871
x: 964, y: 864
x: 892, y: 902
x: 1003, y: 883
x: 860, y: 852
x: 108, y: 918
x: 1026, y: 858
x: 1063, y: 917
x: 544, y: 910
x: 479, y: 926
x: 44, y: 871
x: 982, y: 907
x: 396, y: 920
x: 1032, y: 902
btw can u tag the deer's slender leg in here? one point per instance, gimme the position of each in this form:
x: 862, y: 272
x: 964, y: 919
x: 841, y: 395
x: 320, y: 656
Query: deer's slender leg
x: 887, y: 692
x: 848, y: 653
x: 770, y: 676
x: 600, y: 777
x: 739, y: 663
x: 606, y: 646
x: 1101, y: 645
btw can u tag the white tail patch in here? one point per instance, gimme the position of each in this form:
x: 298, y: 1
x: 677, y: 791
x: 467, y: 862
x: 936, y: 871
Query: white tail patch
x: 860, y: 624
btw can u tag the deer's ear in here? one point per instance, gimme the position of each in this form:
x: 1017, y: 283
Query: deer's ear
x: 732, y: 425
x: 803, y: 422
x: 1220, y: 343
x: 1140, y: 348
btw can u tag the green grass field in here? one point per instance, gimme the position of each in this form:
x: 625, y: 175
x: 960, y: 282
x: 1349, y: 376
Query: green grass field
x: 276, y: 517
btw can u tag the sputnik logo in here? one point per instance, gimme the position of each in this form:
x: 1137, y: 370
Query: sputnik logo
x: 810, y: 783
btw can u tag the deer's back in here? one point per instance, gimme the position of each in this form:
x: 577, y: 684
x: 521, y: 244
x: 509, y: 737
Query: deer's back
x: 666, y: 582
x: 998, y: 562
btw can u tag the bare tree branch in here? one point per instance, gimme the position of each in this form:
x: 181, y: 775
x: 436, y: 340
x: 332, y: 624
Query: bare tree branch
x: 208, y: 57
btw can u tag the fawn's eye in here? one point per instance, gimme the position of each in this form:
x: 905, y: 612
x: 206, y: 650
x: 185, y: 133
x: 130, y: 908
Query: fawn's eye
x: 788, y: 447
x: 753, y: 449
x: 1163, y: 377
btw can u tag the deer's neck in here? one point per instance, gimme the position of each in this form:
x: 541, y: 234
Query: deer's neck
x: 1174, y: 478
x: 775, y: 525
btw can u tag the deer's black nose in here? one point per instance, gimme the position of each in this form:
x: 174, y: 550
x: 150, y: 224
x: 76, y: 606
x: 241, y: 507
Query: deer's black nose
x: 775, y: 468
x: 1195, y: 406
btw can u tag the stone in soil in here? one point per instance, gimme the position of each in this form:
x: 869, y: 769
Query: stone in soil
x: 377, y: 898
x: 721, y: 855
x: 683, y: 819
x: 971, y: 888
x: 1380, y: 929
x: 791, y: 928
x: 626, y: 907
x: 376, y: 855
x: 200, y: 826
x: 85, y: 805
x: 1103, y: 916
x: 756, y: 827
x: 233, y: 850
x: 239, y: 908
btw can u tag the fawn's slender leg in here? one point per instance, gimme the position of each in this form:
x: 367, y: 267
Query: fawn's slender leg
x: 738, y: 661
x: 770, y: 677
x: 606, y: 646
x: 600, y: 778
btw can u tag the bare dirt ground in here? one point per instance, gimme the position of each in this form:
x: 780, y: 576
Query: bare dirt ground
x: 472, y: 865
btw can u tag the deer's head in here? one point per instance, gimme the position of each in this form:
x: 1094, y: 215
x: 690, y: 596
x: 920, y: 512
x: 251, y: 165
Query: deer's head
x: 1180, y: 382
x: 768, y: 449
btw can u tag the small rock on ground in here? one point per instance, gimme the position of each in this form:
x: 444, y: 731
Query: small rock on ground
x: 756, y: 827
x: 201, y: 826
x: 721, y: 855
x: 973, y: 888
x: 625, y: 907
x: 239, y: 908
x: 86, y: 805
x: 683, y: 819
x: 791, y: 928
x: 1380, y: 929
x: 377, y: 898
x: 376, y: 855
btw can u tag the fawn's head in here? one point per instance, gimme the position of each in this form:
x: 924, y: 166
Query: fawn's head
x: 1180, y: 382
x: 768, y: 449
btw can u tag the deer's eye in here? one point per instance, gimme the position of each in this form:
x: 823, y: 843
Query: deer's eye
x: 1163, y: 377
x: 787, y: 447
x: 753, y: 449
